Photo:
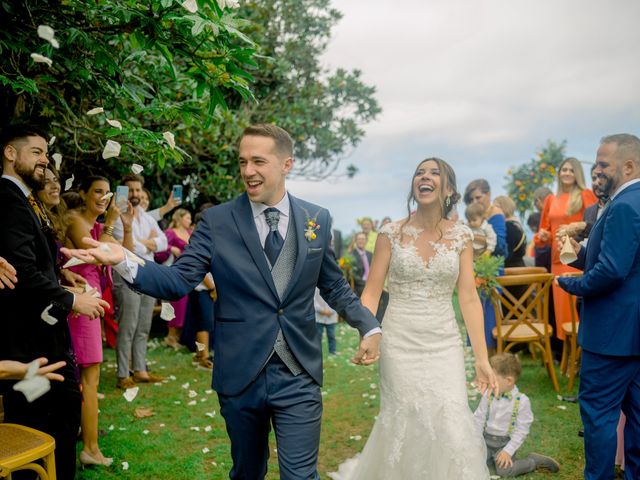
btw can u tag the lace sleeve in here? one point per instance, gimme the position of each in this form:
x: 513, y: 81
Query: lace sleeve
x: 391, y: 231
x: 461, y: 236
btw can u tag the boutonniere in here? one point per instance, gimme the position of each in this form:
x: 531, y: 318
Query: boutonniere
x: 310, y: 226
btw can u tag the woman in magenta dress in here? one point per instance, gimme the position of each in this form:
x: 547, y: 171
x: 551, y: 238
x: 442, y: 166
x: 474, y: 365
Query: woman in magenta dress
x: 86, y: 334
x: 178, y: 235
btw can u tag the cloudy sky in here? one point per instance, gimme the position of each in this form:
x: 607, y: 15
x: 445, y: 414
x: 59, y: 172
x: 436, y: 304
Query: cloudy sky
x: 482, y: 84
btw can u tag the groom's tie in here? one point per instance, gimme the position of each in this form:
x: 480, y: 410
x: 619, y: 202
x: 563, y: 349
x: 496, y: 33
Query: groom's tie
x: 273, y: 243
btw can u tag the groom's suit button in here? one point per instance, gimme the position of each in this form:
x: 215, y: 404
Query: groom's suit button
x: 280, y: 312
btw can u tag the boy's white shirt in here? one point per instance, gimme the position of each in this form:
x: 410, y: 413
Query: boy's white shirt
x: 498, y: 419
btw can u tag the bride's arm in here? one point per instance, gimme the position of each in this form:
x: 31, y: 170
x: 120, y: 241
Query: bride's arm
x: 474, y: 319
x: 377, y: 274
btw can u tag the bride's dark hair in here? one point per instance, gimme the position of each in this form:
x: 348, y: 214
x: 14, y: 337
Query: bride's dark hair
x: 448, y: 182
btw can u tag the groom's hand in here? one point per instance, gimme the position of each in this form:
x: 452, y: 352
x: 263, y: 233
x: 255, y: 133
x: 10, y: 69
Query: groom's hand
x: 369, y: 351
x: 102, y: 253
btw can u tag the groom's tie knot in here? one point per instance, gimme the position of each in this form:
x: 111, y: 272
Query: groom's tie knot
x: 273, y: 243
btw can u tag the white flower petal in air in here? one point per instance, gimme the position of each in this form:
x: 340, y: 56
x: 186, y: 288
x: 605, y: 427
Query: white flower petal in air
x: 170, y: 138
x: 68, y: 183
x: 115, y: 124
x: 200, y: 346
x: 95, y: 111
x: 72, y: 262
x: 111, y: 149
x: 57, y: 159
x: 137, y: 169
x: 106, y: 196
x: 41, y: 59
x: 47, y: 33
x: 190, y: 5
x: 53, y: 139
x: 131, y: 393
x: 167, y: 313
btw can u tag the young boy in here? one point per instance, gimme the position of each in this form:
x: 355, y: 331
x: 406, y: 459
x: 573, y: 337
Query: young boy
x: 476, y: 220
x: 505, y: 423
x: 326, y: 318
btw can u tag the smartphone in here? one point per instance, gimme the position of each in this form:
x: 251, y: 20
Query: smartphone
x: 176, y: 192
x: 122, y: 197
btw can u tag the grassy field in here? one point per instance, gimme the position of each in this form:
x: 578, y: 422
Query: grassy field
x: 186, y: 439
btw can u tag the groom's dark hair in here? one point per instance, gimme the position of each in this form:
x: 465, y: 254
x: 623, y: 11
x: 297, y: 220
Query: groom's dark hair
x: 282, y: 139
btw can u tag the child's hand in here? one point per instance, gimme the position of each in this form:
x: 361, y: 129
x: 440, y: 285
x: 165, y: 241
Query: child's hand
x: 503, y: 459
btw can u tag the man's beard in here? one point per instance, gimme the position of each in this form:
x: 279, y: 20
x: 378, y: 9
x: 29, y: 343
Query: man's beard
x: 610, y: 185
x: 29, y: 176
x: 135, y: 201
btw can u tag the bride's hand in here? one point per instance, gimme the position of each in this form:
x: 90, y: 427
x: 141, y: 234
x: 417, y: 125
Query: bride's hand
x: 486, y: 380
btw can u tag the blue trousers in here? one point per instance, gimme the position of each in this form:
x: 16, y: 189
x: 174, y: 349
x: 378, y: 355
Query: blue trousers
x: 331, y: 334
x: 609, y: 384
x: 293, y: 405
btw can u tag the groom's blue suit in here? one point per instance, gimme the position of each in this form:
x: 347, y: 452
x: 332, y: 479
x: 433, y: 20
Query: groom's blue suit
x: 253, y: 384
x: 610, y: 334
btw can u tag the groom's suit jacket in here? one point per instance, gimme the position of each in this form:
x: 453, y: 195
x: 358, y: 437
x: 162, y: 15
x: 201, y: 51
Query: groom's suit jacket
x: 610, y: 286
x: 249, y: 311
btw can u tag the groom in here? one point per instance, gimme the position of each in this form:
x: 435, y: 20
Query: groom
x: 267, y: 251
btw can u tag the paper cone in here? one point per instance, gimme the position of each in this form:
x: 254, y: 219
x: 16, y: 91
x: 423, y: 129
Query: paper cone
x: 567, y: 253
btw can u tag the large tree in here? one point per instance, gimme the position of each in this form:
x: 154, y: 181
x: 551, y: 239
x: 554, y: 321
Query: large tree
x: 163, y: 66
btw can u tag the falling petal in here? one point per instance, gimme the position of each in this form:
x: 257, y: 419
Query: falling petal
x: 95, y: 111
x: 106, y: 196
x: 170, y: 138
x: 167, y: 313
x: 53, y: 139
x: 190, y: 5
x: 200, y: 346
x: 57, y: 159
x: 47, y: 33
x: 68, y: 183
x: 125, y: 465
x: 48, y: 318
x: 111, y: 149
x: 41, y: 59
x: 33, y: 386
x: 115, y: 124
x: 137, y: 169
x: 131, y: 393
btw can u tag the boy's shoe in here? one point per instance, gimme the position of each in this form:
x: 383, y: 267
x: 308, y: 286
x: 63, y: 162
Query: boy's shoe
x: 204, y: 364
x: 544, y: 463
x: 149, y: 378
x: 125, y: 383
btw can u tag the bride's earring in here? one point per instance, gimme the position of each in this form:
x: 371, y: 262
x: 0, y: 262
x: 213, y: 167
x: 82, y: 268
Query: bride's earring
x: 447, y: 201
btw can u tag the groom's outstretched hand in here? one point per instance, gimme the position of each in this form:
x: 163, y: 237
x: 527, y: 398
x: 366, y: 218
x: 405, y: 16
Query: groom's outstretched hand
x: 369, y: 351
x: 102, y: 253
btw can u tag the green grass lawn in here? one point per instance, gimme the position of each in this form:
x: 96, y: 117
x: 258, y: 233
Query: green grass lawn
x: 171, y: 444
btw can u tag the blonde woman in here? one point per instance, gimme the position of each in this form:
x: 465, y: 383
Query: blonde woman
x: 565, y: 207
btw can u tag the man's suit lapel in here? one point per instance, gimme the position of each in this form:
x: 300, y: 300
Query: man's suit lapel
x: 243, y: 216
x: 299, y: 216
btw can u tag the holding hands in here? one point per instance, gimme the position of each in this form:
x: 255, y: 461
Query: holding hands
x: 486, y: 381
x: 369, y: 351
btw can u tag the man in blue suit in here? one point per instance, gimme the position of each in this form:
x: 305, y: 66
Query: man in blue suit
x: 267, y: 251
x: 610, y: 321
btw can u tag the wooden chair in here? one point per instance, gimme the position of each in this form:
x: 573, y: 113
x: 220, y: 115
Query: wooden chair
x: 525, y: 319
x: 524, y: 270
x: 571, y: 351
x: 21, y: 447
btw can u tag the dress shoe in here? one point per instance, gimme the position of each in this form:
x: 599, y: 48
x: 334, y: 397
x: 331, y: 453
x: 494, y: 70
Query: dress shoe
x: 544, y: 463
x: 148, y: 378
x: 87, y: 459
x: 125, y: 383
x: 204, y: 364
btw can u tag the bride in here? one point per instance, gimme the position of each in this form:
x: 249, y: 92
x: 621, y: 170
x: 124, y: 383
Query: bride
x: 425, y: 429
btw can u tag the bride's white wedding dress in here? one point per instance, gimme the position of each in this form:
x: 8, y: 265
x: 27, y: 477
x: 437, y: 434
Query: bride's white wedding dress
x: 425, y: 430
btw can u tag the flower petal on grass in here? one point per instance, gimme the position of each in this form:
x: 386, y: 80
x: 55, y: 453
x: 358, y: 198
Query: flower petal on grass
x: 192, y: 403
x: 143, y: 412
x: 41, y: 59
x: 185, y: 385
x: 95, y: 111
x: 111, y: 149
x: 195, y: 429
x: 208, y: 428
x: 125, y: 465
x: 193, y: 394
x: 115, y: 124
x: 145, y: 432
x: 131, y: 393
x: 205, y: 450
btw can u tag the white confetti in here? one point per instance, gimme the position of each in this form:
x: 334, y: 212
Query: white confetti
x: 47, y: 33
x: 115, y: 124
x: 131, y: 393
x: 33, y: 386
x: 57, y: 159
x: 167, y: 313
x: 193, y: 394
x: 162, y: 425
x: 205, y: 450
x: 145, y: 432
x: 207, y: 428
x: 112, y: 428
x: 185, y: 385
x: 137, y: 169
x: 192, y: 403
x: 95, y: 111
x: 355, y: 437
x: 210, y: 414
x: 170, y: 138
x: 69, y: 183
x: 106, y: 196
x: 190, y: 5
x: 208, y: 392
x: 562, y: 407
x: 48, y: 318
x: 111, y: 149
x: 125, y: 465
x: 171, y: 377
x: 52, y: 140
x: 200, y: 346
x: 195, y: 429
x: 41, y: 59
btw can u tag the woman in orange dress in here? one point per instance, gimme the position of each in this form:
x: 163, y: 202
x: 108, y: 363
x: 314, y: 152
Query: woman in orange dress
x: 565, y: 207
